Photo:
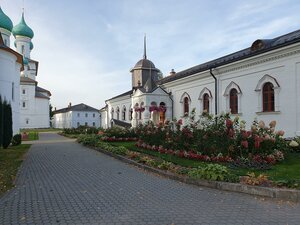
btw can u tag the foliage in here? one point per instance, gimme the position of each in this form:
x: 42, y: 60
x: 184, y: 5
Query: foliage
x: 81, y: 130
x: 89, y: 140
x: 295, y: 144
x: 214, y: 138
x: 252, y: 179
x: 165, y: 165
x: 7, y: 131
x: 118, y: 132
x: 16, y: 140
x: 1, y: 122
x: 290, y: 183
x: 93, y: 140
x: 210, y: 172
x: 9, y: 164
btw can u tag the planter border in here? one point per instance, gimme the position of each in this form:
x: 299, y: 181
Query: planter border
x: 275, y: 193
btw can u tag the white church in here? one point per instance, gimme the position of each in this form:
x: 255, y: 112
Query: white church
x: 18, y: 72
x: 261, y: 81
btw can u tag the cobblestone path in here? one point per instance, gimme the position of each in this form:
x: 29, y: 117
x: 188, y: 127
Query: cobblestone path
x: 61, y: 182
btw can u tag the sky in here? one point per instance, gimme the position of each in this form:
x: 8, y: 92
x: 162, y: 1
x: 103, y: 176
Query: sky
x: 86, y: 49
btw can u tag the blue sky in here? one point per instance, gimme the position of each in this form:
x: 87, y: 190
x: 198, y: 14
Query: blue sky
x: 86, y: 48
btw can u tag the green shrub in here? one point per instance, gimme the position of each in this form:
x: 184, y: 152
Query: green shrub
x: 210, y: 172
x: 7, y: 124
x: 89, y: 140
x: 16, y: 140
x: 165, y: 165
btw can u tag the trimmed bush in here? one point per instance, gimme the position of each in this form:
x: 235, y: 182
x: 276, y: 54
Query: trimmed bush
x: 7, y: 125
x: 16, y: 140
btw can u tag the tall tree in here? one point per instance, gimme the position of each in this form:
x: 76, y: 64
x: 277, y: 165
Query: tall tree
x: 7, y: 124
x: 1, y: 122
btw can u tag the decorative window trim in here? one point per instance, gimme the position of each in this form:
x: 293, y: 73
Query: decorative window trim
x: 112, y: 113
x: 124, y: 113
x: 202, y: 93
x: 259, y: 89
x: 118, y: 112
x: 226, y: 94
x: 183, y: 96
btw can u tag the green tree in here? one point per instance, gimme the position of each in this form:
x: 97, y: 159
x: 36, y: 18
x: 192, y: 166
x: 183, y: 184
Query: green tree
x: 7, y: 124
x: 1, y: 122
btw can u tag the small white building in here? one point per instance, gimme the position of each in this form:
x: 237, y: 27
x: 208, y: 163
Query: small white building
x: 261, y: 81
x: 75, y: 116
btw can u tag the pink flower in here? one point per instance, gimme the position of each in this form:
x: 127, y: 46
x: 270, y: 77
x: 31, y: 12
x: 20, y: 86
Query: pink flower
x: 280, y: 132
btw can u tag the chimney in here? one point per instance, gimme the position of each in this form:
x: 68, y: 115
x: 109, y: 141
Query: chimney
x: 70, y: 104
x: 54, y: 108
x: 172, y: 72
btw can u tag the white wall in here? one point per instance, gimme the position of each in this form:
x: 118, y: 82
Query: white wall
x: 114, y: 104
x: 282, y: 64
x: 76, y: 118
x: 9, y: 78
x: 35, y: 114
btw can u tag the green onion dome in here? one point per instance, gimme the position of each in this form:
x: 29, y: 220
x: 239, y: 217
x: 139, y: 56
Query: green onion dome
x: 22, y: 29
x: 31, y: 45
x: 5, y: 21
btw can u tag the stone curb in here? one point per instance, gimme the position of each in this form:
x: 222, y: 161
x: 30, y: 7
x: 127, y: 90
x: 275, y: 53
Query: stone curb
x: 276, y: 193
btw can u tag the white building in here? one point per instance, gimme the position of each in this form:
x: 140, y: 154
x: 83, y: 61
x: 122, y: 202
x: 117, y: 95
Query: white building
x: 75, y: 116
x: 11, y: 64
x: 262, y: 81
x: 31, y: 103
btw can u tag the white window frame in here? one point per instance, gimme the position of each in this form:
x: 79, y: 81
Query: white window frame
x: 259, y: 90
x: 226, y: 94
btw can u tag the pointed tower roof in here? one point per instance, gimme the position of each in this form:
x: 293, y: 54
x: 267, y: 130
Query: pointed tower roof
x: 144, y: 63
x: 5, y: 21
x: 22, y: 29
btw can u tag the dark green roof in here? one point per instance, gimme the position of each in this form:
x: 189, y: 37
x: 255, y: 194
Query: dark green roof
x: 5, y: 21
x: 22, y: 29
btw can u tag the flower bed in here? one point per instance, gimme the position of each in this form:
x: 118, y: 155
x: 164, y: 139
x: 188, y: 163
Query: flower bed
x: 115, y: 139
x: 215, y: 139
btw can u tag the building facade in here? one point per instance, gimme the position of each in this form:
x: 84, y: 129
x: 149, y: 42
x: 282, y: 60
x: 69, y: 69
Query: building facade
x: 30, y: 103
x: 11, y: 64
x: 75, y: 116
x: 262, y: 81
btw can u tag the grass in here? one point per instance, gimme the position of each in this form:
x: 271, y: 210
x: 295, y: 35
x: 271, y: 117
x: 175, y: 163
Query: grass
x: 10, y: 160
x: 288, y: 169
x: 33, y: 136
x: 40, y: 130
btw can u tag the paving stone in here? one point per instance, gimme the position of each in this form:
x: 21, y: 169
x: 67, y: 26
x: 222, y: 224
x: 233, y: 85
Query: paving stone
x: 62, y: 182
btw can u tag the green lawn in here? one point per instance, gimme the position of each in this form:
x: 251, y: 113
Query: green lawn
x: 10, y: 160
x: 41, y: 130
x: 33, y: 136
x: 289, y: 169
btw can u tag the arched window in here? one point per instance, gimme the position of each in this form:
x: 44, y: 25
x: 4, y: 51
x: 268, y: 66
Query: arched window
x: 206, y: 103
x: 268, y: 97
x: 118, y: 113
x: 186, y: 107
x: 130, y: 113
x: 162, y: 112
x: 124, y: 113
x: 233, y: 101
x: 112, y: 113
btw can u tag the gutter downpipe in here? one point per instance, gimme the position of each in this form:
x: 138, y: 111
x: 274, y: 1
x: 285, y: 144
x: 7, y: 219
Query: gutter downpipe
x: 216, y: 90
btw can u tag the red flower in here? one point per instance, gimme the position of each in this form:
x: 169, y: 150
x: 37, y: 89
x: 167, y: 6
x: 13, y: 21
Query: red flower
x: 228, y: 123
x: 244, y: 144
x: 179, y: 122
